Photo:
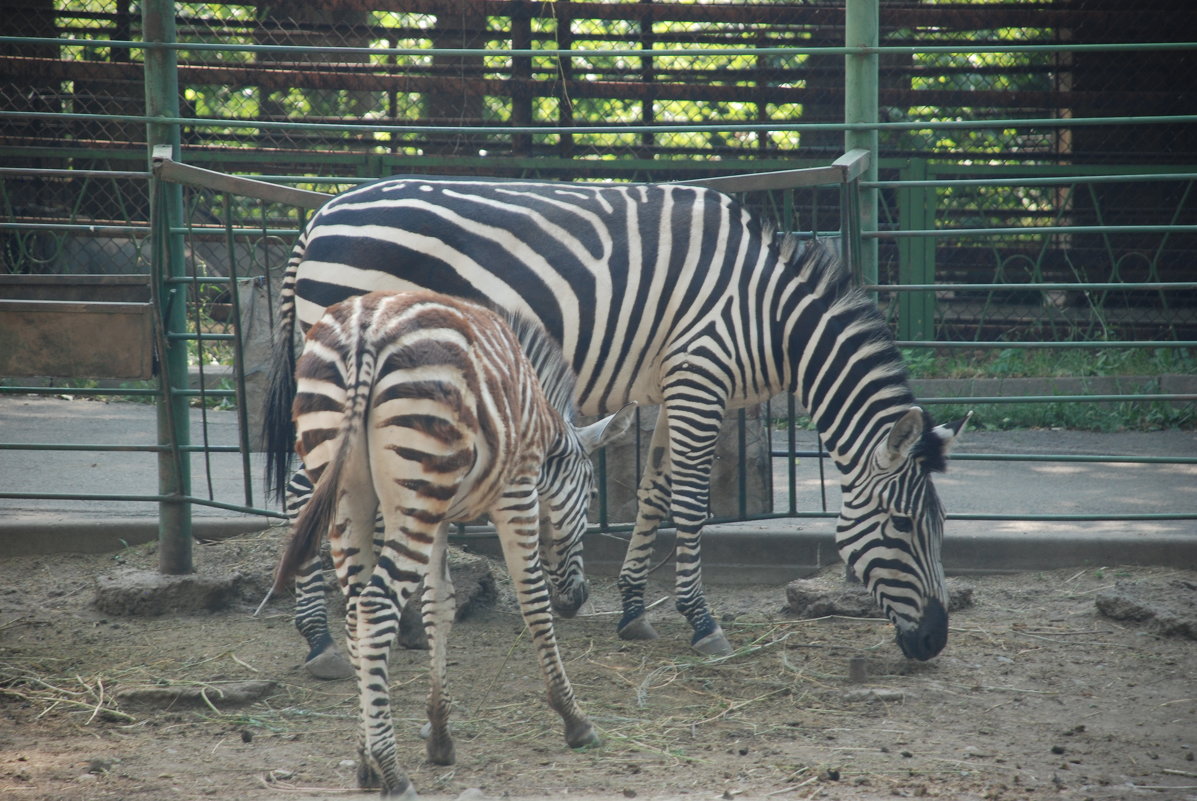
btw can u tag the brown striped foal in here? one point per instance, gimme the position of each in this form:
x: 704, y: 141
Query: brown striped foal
x: 433, y: 410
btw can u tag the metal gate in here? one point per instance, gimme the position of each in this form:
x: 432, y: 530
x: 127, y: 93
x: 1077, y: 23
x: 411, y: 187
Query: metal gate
x: 968, y: 248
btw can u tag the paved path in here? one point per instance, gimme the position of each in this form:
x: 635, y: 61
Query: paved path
x: 970, y: 487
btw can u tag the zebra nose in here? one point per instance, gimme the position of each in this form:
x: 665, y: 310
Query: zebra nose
x: 929, y: 637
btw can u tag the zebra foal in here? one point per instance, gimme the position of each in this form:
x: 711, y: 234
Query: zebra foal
x: 433, y: 410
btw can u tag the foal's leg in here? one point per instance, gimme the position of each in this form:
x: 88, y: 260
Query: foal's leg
x: 517, y: 524
x: 438, y: 608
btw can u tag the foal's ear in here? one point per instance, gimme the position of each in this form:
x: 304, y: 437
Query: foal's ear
x: 609, y: 429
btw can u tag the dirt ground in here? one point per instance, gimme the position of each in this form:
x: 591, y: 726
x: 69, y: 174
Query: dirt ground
x: 1037, y: 696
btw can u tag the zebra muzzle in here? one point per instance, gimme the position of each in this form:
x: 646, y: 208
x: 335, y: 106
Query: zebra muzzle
x: 929, y: 637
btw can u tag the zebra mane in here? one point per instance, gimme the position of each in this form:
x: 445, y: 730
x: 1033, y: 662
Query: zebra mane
x: 557, y: 378
x: 819, y: 266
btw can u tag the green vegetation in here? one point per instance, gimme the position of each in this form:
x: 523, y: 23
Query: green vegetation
x: 1047, y: 362
x: 1137, y: 415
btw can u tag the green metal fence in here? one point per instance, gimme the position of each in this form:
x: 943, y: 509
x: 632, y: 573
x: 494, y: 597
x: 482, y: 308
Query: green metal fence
x: 1029, y: 183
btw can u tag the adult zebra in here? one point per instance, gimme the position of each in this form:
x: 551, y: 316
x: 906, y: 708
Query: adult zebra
x: 429, y: 410
x: 670, y: 295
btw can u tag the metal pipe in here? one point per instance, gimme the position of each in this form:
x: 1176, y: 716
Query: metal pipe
x: 776, y: 125
x: 962, y: 47
x: 861, y: 30
x: 162, y: 137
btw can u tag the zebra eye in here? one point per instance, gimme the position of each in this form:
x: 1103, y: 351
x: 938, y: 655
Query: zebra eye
x: 903, y: 524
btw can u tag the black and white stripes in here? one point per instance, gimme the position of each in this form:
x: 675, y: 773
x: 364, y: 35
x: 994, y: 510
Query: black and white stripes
x: 669, y: 295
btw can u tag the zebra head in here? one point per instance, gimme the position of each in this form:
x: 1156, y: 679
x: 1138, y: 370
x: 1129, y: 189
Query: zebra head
x: 566, y: 489
x: 890, y: 530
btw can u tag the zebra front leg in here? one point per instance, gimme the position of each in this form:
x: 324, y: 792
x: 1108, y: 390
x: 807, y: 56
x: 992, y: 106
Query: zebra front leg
x: 652, y: 507
x: 324, y: 659
x: 438, y: 608
x: 518, y: 538
x: 694, y: 432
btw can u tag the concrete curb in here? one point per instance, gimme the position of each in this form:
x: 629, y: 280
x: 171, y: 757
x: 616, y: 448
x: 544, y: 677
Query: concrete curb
x: 74, y: 535
x: 732, y: 553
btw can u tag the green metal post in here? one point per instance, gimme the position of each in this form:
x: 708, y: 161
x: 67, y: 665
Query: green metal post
x: 174, y: 469
x: 861, y: 26
x: 916, y: 255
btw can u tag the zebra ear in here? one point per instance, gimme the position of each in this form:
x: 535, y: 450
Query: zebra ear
x: 902, y: 438
x: 609, y: 429
x: 950, y: 433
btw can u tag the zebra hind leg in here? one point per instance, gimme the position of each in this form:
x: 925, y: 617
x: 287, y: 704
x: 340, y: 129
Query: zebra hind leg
x: 437, y: 610
x: 691, y: 458
x: 375, y: 618
x: 324, y: 659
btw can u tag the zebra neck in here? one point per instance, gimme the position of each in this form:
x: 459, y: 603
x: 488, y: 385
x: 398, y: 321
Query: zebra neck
x: 852, y: 439
x: 844, y: 367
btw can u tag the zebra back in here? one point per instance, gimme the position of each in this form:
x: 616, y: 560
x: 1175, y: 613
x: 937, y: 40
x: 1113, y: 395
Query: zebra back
x: 489, y: 383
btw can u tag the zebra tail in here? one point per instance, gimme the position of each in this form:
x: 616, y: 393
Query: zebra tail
x: 313, y: 521
x: 317, y: 516
x: 278, y: 434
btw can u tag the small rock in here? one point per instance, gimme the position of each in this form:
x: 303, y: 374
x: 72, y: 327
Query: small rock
x: 234, y: 693
x: 1170, y: 610
x: 472, y: 794
x: 875, y: 695
x: 147, y: 593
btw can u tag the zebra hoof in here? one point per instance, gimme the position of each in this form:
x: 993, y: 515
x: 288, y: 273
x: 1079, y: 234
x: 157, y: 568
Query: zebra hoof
x: 714, y: 644
x: 408, y: 793
x: 330, y: 664
x: 583, y: 738
x: 638, y: 629
x: 441, y: 752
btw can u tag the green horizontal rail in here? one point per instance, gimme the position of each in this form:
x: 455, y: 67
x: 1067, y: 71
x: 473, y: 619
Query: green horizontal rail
x: 79, y: 496
x: 1043, y: 518
x: 1022, y: 457
x: 1046, y: 285
x: 197, y: 501
x: 1089, y: 344
x: 960, y: 47
x: 1033, y: 231
x: 58, y: 446
x: 47, y: 172
x: 1108, y: 398
x: 63, y: 390
x: 1050, y: 180
x: 94, y: 228
x: 619, y: 128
